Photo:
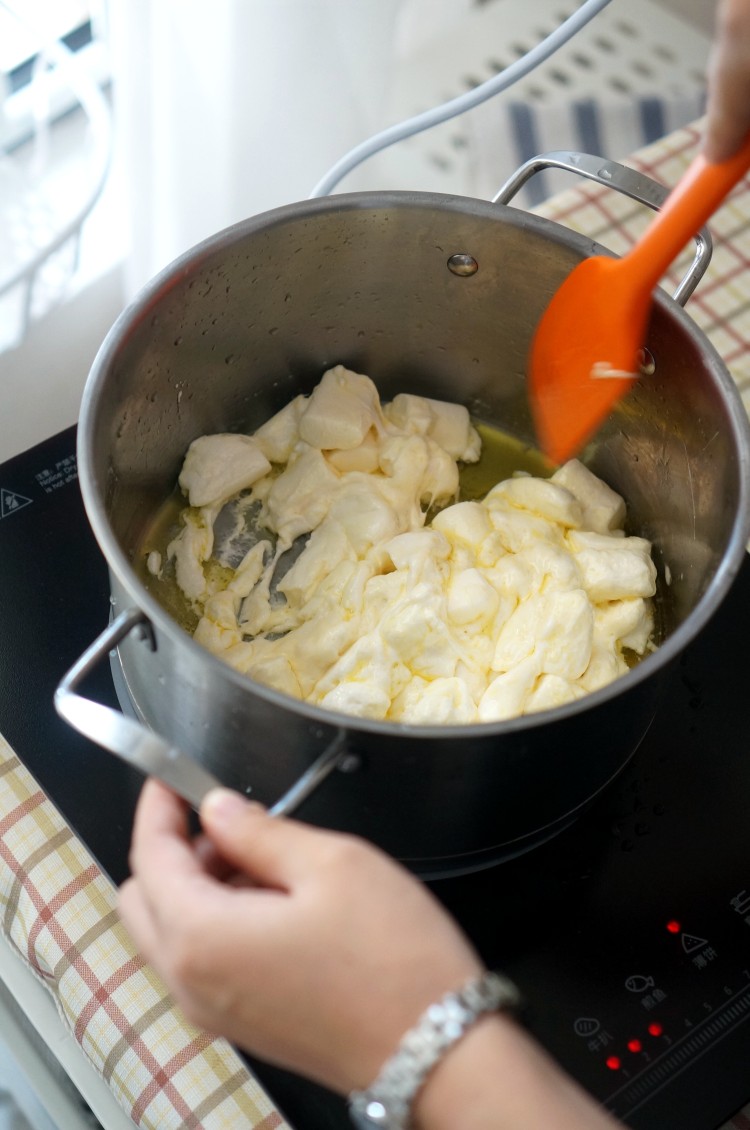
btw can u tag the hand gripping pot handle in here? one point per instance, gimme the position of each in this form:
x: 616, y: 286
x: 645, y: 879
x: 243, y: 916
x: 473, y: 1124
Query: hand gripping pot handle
x: 627, y: 181
x: 147, y: 751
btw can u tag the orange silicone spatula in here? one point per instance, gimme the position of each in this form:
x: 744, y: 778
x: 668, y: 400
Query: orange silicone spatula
x: 585, y: 352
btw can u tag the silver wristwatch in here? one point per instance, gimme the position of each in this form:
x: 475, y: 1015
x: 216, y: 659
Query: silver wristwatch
x: 387, y: 1102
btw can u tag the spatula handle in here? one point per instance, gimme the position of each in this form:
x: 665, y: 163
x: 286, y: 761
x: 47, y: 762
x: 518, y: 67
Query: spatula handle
x: 691, y: 203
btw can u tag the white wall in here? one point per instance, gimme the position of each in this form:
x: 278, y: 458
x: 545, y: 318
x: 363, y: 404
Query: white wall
x: 41, y: 381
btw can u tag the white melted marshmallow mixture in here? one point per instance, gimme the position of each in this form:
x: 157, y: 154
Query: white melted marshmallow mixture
x: 520, y: 602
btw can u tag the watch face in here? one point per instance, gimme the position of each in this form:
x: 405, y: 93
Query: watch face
x: 360, y: 1120
x: 367, y: 1114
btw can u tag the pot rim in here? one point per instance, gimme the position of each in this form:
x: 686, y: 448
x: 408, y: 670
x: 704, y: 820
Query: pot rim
x: 119, y: 563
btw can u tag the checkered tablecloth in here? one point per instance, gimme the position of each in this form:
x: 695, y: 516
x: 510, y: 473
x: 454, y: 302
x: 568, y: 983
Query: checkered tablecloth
x: 59, y: 910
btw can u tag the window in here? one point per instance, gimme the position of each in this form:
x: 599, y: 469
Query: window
x: 26, y: 27
x: 55, y: 139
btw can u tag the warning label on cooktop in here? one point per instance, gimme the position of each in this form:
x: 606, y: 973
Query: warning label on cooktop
x: 58, y: 474
x: 11, y: 501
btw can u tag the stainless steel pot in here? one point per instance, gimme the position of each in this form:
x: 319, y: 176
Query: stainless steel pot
x: 435, y: 295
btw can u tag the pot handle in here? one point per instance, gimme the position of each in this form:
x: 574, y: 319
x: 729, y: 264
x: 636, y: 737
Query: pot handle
x: 152, y: 754
x: 627, y: 181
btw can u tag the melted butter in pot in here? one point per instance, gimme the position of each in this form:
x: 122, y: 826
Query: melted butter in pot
x: 397, y: 562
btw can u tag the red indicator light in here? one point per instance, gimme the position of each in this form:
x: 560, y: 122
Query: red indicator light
x: 635, y: 1046
x: 613, y: 1063
x: 655, y: 1029
x: 674, y: 927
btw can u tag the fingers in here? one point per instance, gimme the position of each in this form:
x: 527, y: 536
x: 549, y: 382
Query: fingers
x: 728, y: 107
x: 135, y: 912
x: 176, y: 901
x: 160, y: 818
x: 170, y: 872
x: 273, y: 851
x: 241, y: 847
x: 161, y: 822
x: 728, y: 111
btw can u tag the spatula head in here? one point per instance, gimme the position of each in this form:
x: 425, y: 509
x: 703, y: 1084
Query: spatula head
x: 585, y: 355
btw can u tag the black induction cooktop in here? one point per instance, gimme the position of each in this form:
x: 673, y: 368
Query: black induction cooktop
x: 629, y: 933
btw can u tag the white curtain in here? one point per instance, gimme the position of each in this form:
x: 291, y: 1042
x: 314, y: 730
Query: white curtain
x: 226, y: 109
x: 229, y: 108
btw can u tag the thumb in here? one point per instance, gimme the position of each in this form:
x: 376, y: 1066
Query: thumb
x: 272, y: 851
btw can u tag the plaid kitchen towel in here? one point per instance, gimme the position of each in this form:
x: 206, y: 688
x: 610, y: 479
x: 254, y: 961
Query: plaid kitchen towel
x: 59, y: 913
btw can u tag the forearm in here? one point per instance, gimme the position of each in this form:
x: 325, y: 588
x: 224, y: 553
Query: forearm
x: 497, y: 1078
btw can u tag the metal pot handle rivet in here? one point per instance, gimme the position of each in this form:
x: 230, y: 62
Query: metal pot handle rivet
x: 625, y: 180
x: 152, y: 754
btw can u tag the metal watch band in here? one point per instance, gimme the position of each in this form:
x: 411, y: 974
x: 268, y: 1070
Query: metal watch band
x: 387, y: 1102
